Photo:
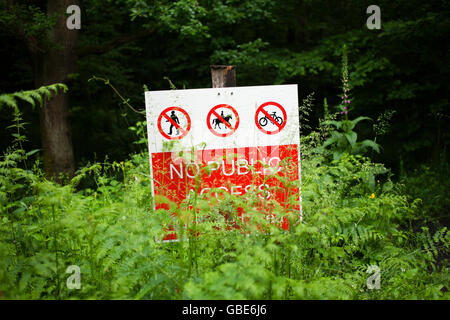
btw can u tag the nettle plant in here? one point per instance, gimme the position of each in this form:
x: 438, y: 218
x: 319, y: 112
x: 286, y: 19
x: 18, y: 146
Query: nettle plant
x: 342, y: 136
x: 344, y: 139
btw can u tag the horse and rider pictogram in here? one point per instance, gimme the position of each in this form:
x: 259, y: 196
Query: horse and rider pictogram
x: 225, y: 123
x: 223, y: 119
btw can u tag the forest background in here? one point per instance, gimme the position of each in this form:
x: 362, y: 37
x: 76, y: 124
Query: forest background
x: 375, y: 191
x: 403, y: 67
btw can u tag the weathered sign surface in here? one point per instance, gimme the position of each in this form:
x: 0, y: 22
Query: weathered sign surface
x: 247, y: 136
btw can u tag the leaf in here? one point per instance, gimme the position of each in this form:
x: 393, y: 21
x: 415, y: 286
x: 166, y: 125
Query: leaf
x: 371, y: 182
x: 55, y: 87
x: 19, y: 210
x: 337, y: 124
x: 329, y: 142
x: 337, y: 155
x: 388, y: 186
x: 8, y: 100
x: 26, y: 97
x: 36, y: 95
x: 28, y: 154
x: 369, y: 143
x: 351, y: 138
x: 145, y: 289
x: 45, y: 90
x: 354, y: 122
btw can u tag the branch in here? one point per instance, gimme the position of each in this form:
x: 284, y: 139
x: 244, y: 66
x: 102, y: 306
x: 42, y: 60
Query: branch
x: 110, y: 45
x: 125, y: 101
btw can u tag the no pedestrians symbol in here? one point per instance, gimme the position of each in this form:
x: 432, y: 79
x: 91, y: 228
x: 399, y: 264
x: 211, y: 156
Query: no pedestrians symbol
x: 270, y: 117
x: 222, y: 120
x: 174, y: 123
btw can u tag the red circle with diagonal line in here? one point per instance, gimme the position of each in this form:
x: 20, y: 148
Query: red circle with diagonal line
x: 184, y: 131
x: 222, y: 120
x: 269, y: 117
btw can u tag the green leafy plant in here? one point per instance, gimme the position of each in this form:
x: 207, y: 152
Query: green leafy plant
x: 342, y: 138
x: 31, y: 96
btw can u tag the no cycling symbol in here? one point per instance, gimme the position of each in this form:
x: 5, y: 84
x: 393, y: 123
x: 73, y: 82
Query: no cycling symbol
x: 174, y: 128
x: 222, y: 120
x: 270, y: 117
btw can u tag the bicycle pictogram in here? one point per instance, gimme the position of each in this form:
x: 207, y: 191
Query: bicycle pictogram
x: 267, y: 113
x: 264, y: 120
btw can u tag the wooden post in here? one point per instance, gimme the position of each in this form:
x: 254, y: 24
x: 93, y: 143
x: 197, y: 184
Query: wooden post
x: 223, y: 76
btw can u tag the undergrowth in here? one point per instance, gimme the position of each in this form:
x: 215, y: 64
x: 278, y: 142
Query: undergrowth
x: 102, y: 220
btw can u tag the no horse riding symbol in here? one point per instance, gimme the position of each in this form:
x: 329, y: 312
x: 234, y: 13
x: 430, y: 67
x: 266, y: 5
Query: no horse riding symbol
x: 222, y: 120
x: 174, y: 123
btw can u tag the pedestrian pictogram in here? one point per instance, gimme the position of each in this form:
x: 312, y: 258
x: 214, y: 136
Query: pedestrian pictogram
x: 174, y: 123
x: 270, y: 117
x: 222, y: 120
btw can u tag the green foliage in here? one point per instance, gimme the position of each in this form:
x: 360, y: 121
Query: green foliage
x: 432, y: 185
x: 355, y: 213
x: 344, y: 140
x: 29, y: 17
x: 31, y: 96
x: 305, y: 110
x: 133, y: 42
x: 103, y: 221
x: 382, y: 125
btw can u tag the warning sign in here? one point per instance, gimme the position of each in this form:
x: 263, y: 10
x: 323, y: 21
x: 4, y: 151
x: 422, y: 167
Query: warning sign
x: 222, y: 120
x: 270, y: 117
x: 170, y: 125
x: 248, y: 137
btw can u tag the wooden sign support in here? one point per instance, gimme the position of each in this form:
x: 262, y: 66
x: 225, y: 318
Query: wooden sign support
x: 223, y: 76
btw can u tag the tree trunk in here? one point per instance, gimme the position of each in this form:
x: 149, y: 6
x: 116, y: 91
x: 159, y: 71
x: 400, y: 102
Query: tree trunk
x: 54, y: 66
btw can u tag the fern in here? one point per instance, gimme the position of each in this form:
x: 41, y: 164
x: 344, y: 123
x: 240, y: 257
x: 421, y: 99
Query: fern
x: 31, y: 96
x: 103, y: 221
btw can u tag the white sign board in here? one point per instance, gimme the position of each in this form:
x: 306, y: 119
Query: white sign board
x: 259, y: 122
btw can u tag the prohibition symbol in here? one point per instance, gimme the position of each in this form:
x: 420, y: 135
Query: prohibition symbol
x: 270, y: 117
x: 222, y: 120
x: 171, y: 126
